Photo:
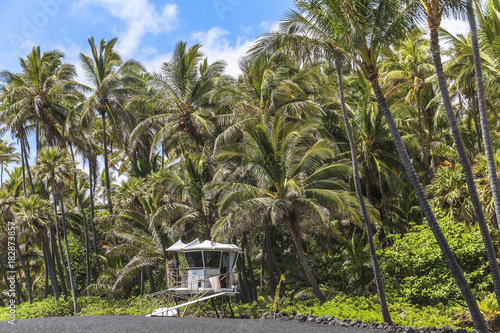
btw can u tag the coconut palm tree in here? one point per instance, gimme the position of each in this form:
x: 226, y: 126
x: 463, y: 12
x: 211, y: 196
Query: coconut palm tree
x: 38, y: 90
x: 362, y: 29
x: 56, y: 168
x: 297, y: 184
x: 182, y: 91
x: 434, y: 11
x: 485, y: 128
x: 33, y: 215
x: 108, y: 76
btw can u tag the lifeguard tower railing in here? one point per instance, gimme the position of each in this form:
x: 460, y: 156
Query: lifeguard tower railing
x: 185, y: 291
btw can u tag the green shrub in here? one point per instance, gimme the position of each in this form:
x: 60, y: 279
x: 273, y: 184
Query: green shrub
x: 415, y: 270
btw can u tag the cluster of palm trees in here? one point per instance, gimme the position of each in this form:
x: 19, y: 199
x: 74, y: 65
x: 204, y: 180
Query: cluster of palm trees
x: 334, y: 116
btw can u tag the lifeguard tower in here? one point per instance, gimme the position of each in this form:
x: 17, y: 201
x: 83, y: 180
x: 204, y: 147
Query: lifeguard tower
x: 202, y: 271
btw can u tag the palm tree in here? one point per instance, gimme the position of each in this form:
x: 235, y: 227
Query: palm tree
x: 485, y: 128
x: 108, y: 75
x: 363, y: 28
x: 32, y: 215
x: 406, y: 68
x: 297, y: 185
x: 434, y: 10
x: 146, y: 237
x: 37, y: 92
x: 7, y: 155
x: 55, y: 168
x: 182, y: 92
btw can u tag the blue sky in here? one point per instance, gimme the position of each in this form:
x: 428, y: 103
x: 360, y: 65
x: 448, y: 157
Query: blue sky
x: 147, y: 30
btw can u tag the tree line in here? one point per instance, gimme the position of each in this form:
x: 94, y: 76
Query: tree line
x: 345, y: 121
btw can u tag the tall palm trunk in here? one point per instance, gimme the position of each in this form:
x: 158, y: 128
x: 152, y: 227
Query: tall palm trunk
x: 464, y: 160
x: 448, y: 255
x: 94, y: 239
x: 84, y: 216
x: 357, y: 186
x: 60, y: 269
x: 25, y: 270
x: 71, y: 280
x: 421, y: 134
x: 297, y: 240
x: 27, y: 165
x: 63, y: 268
x: 267, y: 249
x: 473, y: 108
x: 246, y: 249
x: 22, y: 167
x: 483, y: 115
x: 49, y: 262
x: 106, y: 171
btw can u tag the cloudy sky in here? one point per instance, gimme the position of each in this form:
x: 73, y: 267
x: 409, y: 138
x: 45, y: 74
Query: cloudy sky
x: 147, y: 30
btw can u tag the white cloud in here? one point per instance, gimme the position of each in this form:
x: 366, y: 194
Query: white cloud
x: 270, y: 26
x: 455, y: 26
x: 217, y: 47
x: 140, y: 16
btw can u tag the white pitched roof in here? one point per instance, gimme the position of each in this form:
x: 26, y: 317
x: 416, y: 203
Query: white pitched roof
x: 205, y: 246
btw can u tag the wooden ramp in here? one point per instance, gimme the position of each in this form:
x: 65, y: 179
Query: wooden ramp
x: 171, y: 311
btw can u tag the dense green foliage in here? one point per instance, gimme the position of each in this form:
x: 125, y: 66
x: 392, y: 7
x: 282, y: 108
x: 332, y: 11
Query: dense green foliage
x: 261, y: 160
x: 414, y: 267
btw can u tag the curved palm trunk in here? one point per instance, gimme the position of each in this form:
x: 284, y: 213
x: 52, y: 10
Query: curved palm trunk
x: 71, y: 281
x: 297, y: 240
x: 94, y: 240
x: 448, y: 255
x: 357, y: 186
x: 488, y: 147
x: 464, y: 160
x: 25, y: 270
x: 106, y: 171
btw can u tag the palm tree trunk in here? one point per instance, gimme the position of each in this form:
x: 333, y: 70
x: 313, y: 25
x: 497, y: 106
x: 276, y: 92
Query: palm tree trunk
x: 488, y: 147
x: 71, y: 280
x: 472, y: 100
x: 58, y: 261
x: 84, y: 216
x: 22, y: 167
x: 26, y: 163
x: 25, y: 270
x: 268, y: 250
x: 448, y: 255
x: 62, y: 265
x: 421, y: 134
x: 94, y: 239
x: 464, y: 160
x: 51, y: 268
x: 246, y: 248
x: 142, y: 283
x: 149, y: 271
x: 297, y: 240
x: 106, y: 171
x: 357, y: 186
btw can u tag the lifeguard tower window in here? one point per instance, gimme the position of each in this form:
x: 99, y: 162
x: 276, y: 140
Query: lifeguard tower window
x: 194, y: 259
x: 212, y: 259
